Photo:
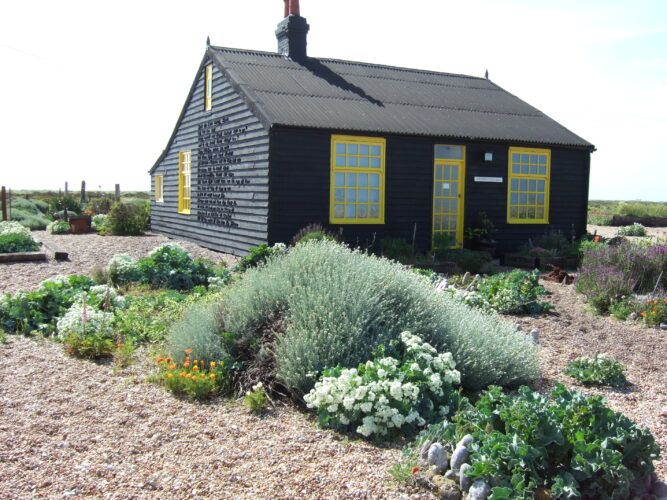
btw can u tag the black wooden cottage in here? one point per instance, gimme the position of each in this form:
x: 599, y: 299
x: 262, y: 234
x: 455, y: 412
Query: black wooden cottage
x: 268, y: 143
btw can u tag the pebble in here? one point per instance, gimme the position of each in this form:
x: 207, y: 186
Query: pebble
x: 464, y: 481
x: 535, y: 335
x: 450, y: 474
x: 660, y: 489
x: 447, y: 489
x: 459, y: 457
x: 663, y: 326
x: 479, y: 490
x: 423, y: 452
x: 465, y: 441
x: 633, y: 316
x: 437, y: 458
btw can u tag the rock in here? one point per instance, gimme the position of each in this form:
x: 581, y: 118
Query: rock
x: 659, y: 489
x: 535, y: 335
x: 663, y: 413
x: 464, y: 481
x: 447, y: 489
x: 465, y: 441
x: 437, y: 458
x: 633, y: 316
x: 663, y: 326
x: 450, y: 474
x: 466, y: 277
x: 479, y: 490
x: 423, y: 451
x: 459, y: 457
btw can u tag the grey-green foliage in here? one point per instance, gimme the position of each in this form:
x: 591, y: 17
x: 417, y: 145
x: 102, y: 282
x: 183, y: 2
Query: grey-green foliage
x: 197, y: 330
x: 341, y: 304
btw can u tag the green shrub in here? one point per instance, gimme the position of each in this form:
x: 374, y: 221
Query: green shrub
x: 341, y: 304
x: 100, y: 224
x: 101, y: 205
x: 635, y: 229
x: 61, y: 203
x: 87, y: 332
x: 24, y: 205
x: 256, y: 400
x: 388, y: 395
x: 42, y: 206
x: 3, y: 337
x: 58, y: 227
x: 396, y: 249
x: 170, y: 266
x: 34, y: 222
x: 197, y: 331
x: 12, y: 243
x: 129, y: 219
x: 654, y: 311
x: 123, y: 269
x: 467, y: 260
x: 258, y: 255
x: 194, y: 379
x: 312, y: 232
x: 623, y: 308
x: 515, y: 292
x: 147, y: 317
x: 39, y: 309
x: 566, y: 446
x: 598, y: 370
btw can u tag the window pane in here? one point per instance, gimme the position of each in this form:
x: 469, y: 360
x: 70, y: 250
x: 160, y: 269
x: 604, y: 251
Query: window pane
x: 533, y: 159
x: 363, y: 161
x: 531, y: 185
x: 449, y: 152
x: 539, y: 213
x: 543, y: 159
x: 524, y: 169
x: 515, y: 184
x: 352, y: 149
x: 374, y: 180
x: 340, y: 149
x: 514, y: 199
x: 350, y: 211
x: 339, y: 211
x: 351, y: 195
x: 438, y: 172
x: 533, y: 170
x: 524, y: 158
x: 340, y: 161
x: 339, y: 195
x: 455, y: 173
x: 540, y: 186
x: 375, y: 195
x: 340, y: 179
x: 362, y: 179
x: 540, y: 199
x: 375, y: 150
x: 362, y: 211
x: 374, y: 211
x: 375, y: 162
x: 364, y: 150
x: 514, y: 212
x: 516, y: 158
x: 352, y: 161
x: 522, y: 199
x: 362, y: 195
x: 523, y: 184
x: 542, y: 170
x: 351, y: 180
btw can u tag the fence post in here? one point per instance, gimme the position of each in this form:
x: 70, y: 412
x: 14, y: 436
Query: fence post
x: 9, y: 196
x: 83, y: 192
x: 4, y: 203
x: 117, y: 192
x: 66, y: 189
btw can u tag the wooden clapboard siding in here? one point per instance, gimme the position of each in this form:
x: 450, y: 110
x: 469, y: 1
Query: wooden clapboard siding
x: 252, y: 147
x: 300, y: 181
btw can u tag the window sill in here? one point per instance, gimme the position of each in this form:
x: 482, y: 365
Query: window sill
x: 527, y: 221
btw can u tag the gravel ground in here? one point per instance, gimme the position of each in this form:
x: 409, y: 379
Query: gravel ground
x: 86, y: 252
x: 75, y: 428
x: 610, y: 231
x: 571, y: 331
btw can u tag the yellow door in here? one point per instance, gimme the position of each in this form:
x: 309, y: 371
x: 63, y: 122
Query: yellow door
x: 448, y: 200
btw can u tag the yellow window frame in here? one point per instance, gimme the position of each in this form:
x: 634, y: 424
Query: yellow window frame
x: 461, y: 163
x: 208, y: 88
x: 184, y: 181
x: 359, y: 141
x: 528, y: 176
x: 159, y: 189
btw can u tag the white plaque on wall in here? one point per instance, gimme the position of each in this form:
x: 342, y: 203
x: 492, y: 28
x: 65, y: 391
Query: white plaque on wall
x: 488, y: 179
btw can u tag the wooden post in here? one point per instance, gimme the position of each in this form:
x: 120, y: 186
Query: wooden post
x: 117, y: 192
x: 66, y: 189
x: 9, y: 195
x: 4, y: 204
x: 83, y: 192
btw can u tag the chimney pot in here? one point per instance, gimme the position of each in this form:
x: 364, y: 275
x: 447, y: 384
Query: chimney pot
x: 287, y: 8
x: 292, y: 33
x: 294, y: 8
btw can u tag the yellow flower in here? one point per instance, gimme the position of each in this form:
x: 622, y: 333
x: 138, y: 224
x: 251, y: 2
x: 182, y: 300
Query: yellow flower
x: 172, y: 366
x: 212, y: 376
x: 170, y: 375
x: 182, y: 374
x: 213, y: 363
x: 195, y: 368
x: 196, y: 361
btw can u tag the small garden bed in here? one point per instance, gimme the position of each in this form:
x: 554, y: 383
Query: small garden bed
x: 18, y: 245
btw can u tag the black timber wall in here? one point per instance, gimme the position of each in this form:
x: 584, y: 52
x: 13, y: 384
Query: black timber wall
x: 300, y: 181
x: 245, y: 167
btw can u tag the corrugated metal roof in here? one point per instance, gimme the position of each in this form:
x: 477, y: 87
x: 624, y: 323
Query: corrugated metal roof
x: 345, y: 95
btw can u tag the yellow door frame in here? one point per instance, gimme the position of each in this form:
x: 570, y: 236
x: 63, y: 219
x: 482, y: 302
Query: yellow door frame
x: 460, y: 197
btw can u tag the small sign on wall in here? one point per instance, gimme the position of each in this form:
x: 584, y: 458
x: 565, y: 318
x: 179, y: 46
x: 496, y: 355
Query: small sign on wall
x: 488, y: 179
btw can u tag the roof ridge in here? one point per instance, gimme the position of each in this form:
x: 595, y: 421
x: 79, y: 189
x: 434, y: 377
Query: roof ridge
x: 358, y: 63
x: 449, y: 108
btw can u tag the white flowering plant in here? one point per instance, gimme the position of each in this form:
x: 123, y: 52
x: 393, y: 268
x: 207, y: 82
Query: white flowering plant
x: 388, y: 395
x: 103, y: 297
x: 86, y: 332
x: 123, y: 269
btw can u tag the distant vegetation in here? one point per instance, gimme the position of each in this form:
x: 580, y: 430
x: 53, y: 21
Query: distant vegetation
x: 600, y: 212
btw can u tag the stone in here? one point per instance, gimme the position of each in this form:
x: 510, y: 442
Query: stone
x: 660, y: 489
x: 633, y: 316
x: 437, y: 458
x: 465, y: 441
x: 423, y: 451
x: 535, y: 335
x: 663, y: 326
x: 447, y: 489
x: 450, y: 474
x: 479, y: 490
x: 464, y: 481
x: 459, y: 457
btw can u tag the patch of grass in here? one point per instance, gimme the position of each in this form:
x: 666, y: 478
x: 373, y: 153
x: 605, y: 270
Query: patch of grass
x: 3, y: 336
x: 600, y: 212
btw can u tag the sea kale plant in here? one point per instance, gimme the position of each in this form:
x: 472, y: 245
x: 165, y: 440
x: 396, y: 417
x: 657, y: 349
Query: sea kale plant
x: 15, y: 237
x: 601, y: 369
x: 388, y: 395
x: 635, y: 229
x: 564, y: 446
x: 338, y: 305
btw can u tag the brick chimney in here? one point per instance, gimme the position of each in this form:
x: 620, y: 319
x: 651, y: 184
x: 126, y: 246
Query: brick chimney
x: 292, y: 32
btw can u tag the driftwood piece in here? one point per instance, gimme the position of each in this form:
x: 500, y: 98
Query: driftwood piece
x: 557, y: 275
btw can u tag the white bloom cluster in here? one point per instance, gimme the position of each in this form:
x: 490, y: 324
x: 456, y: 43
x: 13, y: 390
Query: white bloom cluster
x: 13, y: 228
x: 122, y: 268
x: 104, y: 294
x: 95, y: 322
x: 169, y: 246
x: 468, y: 295
x: 384, y: 394
x: 279, y: 248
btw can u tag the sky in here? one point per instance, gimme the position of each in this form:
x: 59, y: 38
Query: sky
x: 91, y: 90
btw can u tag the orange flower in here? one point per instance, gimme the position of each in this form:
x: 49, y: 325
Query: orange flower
x: 168, y: 360
x: 186, y: 364
x: 188, y: 351
x: 172, y: 366
x: 159, y: 360
x: 195, y: 368
x: 182, y: 374
x: 415, y: 470
x: 196, y: 362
